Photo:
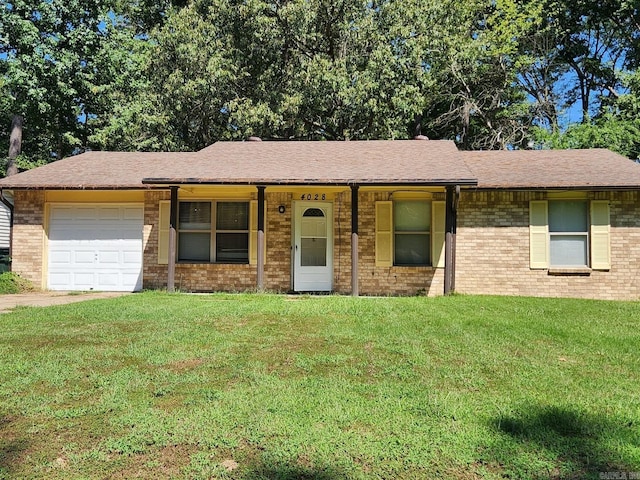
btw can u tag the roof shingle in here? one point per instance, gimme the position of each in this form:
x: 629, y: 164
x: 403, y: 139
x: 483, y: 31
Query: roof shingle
x: 339, y: 163
x: 362, y: 162
x: 553, y: 169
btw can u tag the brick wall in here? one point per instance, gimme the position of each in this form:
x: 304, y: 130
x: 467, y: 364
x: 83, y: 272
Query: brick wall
x: 375, y: 280
x: 28, y: 235
x: 223, y: 277
x: 154, y: 276
x: 278, y: 269
x: 493, y: 249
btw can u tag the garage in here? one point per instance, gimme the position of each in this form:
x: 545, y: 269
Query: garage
x: 95, y: 247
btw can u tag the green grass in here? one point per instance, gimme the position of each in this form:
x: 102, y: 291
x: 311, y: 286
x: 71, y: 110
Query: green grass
x: 13, y: 283
x: 156, y: 385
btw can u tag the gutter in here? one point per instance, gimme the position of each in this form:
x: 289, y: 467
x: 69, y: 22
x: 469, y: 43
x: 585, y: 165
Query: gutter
x: 471, y: 182
x: 559, y: 188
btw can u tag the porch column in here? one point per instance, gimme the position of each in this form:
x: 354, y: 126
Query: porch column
x: 260, y: 242
x: 173, y: 222
x: 354, y: 241
x: 451, y: 220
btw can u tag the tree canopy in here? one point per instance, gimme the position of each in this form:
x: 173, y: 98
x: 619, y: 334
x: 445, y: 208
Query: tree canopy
x: 179, y: 75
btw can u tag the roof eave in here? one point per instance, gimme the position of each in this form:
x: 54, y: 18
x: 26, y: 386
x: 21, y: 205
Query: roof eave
x: 310, y: 182
x: 78, y: 187
x: 559, y: 187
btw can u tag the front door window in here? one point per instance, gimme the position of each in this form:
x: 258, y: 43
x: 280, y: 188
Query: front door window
x: 314, y: 238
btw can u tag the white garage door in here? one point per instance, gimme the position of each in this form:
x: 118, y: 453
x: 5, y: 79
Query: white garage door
x: 95, y: 247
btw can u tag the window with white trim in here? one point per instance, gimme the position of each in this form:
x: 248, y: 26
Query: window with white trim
x: 568, y: 233
x: 215, y: 232
x: 411, y: 232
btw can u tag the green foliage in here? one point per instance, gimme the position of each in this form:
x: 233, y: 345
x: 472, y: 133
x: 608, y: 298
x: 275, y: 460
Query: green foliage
x: 326, y: 70
x: 23, y: 162
x: 48, y: 72
x: 180, y: 75
x: 13, y: 283
x: 622, y: 136
x: 263, y: 386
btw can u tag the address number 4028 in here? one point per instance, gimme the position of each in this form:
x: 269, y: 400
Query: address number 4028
x: 313, y: 196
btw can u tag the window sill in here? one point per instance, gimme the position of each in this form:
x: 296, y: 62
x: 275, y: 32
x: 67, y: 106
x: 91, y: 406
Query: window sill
x: 194, y: 262
x: 413, y: 266
x: 568, y: 271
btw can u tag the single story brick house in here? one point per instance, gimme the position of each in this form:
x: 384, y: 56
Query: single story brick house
x: 362, y: 217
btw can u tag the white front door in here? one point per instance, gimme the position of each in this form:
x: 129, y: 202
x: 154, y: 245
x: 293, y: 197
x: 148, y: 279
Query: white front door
x: 313, y: 247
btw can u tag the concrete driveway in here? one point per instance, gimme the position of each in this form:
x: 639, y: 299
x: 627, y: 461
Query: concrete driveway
x: 45, y: 299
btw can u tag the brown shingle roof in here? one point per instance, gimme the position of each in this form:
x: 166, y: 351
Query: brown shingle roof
x: 94, y: 170
x: 553, y: 169
x: 356, y: 162
x: 363, y: 162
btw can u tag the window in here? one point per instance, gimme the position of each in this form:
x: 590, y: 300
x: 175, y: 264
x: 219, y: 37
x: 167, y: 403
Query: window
x: 411, y: 232
x: 569, y: 234
x: 224, y: 240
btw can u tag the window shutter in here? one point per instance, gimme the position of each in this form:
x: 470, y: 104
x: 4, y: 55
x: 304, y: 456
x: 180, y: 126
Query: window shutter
x: 253, y: 233
x: 600, y: 235
x: 438, y: 220
x: 384, y: 234
x: 163, y: 232
x: 538, y: 234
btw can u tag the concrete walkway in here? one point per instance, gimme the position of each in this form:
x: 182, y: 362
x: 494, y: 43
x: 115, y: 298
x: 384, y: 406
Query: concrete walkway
x: 45, y: 299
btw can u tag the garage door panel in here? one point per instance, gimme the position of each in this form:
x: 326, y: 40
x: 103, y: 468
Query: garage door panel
x: 110, y: 213
x: 129, y: 257
x: 83, y: 280
x: 96, y: 247
x: 134, y: 214
x: 68, y: 233
x: 108, y: 281
x: 85, y: 213
x: 56, y: 279
x: 62, y: 213
x: 132, y: 234
x: 81, y: 257
x: 109, y: 258
x: 61, y: 256
x: 132, y: 278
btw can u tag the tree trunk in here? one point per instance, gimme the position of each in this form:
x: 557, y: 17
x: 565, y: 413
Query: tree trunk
x: 15, y: 144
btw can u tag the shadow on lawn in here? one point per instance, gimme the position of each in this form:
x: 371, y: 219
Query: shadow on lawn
x: 292, y: 472
x: 579, y: 443
x: 11, y: 449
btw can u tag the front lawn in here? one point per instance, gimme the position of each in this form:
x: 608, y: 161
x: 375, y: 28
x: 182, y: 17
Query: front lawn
x: 156, y: 385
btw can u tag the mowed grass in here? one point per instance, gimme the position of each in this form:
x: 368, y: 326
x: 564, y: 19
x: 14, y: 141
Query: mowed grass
x: 158, y: 385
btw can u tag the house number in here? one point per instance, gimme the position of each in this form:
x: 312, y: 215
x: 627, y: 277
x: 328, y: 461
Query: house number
x: 313, y: 196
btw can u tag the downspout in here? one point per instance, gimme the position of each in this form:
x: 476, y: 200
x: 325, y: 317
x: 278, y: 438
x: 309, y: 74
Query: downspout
x: 9, y: 205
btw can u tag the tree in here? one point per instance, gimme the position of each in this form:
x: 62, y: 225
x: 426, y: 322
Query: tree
x: 47, y: 71
x: 320, y: 69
